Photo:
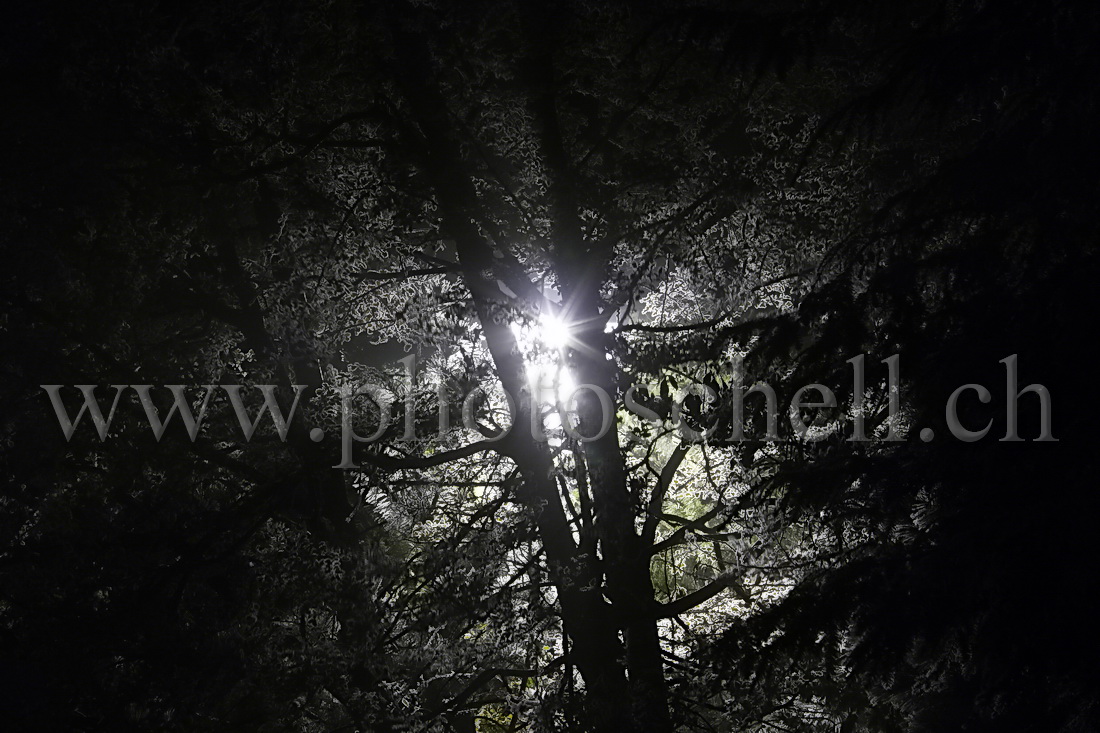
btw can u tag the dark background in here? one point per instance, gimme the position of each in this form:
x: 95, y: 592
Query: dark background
x: 987, y: 621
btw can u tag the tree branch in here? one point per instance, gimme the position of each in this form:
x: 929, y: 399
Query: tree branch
x: 704, y: 594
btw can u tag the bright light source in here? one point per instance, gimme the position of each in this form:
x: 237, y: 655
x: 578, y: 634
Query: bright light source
x: 552, y: 332
x: 541, y: 341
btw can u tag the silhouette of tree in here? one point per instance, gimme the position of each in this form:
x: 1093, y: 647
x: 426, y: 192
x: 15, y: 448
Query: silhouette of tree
x: 528, y: 198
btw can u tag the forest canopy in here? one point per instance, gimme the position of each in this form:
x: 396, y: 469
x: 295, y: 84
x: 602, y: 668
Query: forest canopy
x: 669, y: 203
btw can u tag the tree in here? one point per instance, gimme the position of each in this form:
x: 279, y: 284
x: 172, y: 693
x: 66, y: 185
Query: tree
x: 597, y: 195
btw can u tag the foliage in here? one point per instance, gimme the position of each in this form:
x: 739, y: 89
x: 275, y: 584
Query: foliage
x: 268, y: 194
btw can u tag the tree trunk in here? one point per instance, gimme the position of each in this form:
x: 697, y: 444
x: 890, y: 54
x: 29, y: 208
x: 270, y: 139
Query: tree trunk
x: 590, y: 622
